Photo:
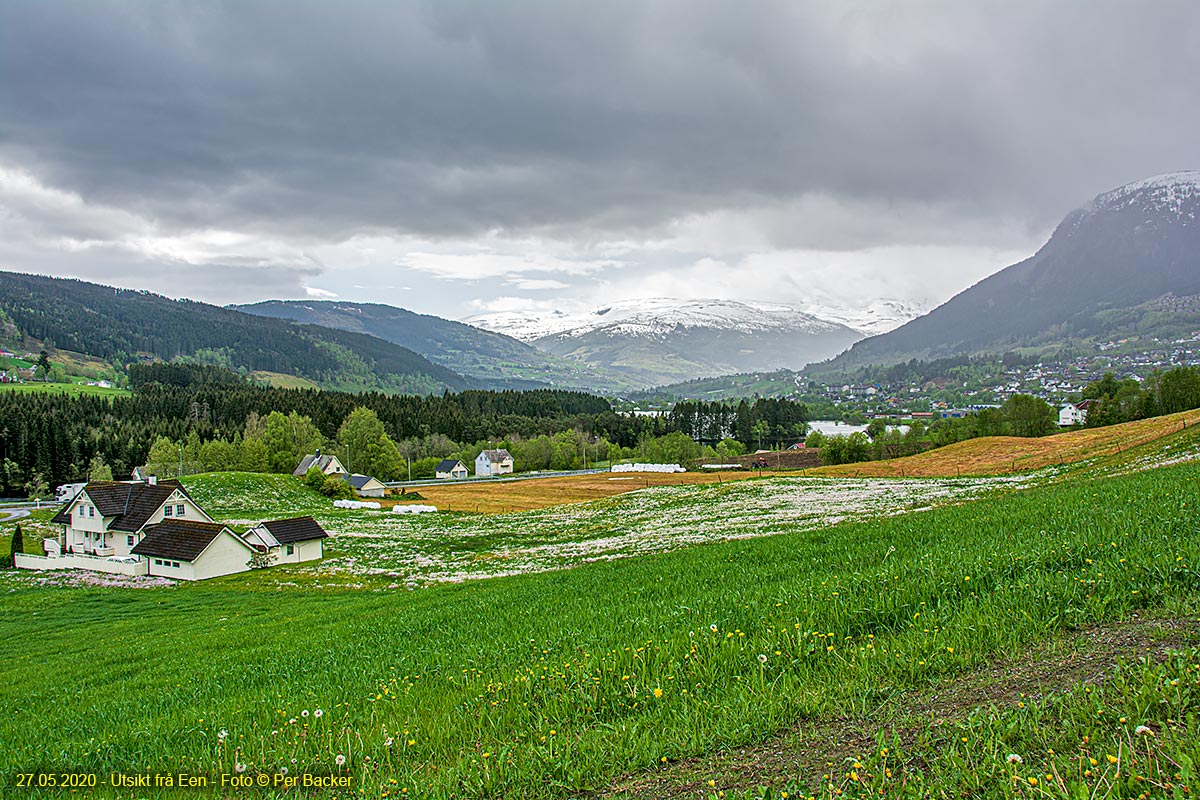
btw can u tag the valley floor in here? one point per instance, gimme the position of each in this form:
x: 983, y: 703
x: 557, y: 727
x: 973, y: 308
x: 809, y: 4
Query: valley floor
x: 802, y: 635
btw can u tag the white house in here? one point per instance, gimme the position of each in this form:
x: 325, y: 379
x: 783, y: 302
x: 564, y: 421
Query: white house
x: 327, y: 464
x: 191, y: 550
x: 449, y: 468
x: 494, y: 462
x: 108, y: 518
x: 365, y: 485
x: 152, y: 528
x: 289, y: 540
x: 1072, y: 414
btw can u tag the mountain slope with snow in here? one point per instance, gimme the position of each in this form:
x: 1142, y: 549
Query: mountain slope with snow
x: 663, y: 340
x: 1104, y: 274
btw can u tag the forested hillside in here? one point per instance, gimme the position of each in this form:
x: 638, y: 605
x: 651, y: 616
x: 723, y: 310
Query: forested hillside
x: 51, y: 439
x: 123, y: 327
x: 497, y: 360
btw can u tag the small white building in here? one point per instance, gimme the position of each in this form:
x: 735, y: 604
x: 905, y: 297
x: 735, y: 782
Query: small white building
x: 450, y: 469
x: 329, y: 465
x: 290, y: 541
x: 365, y: 485
x: 189, y: 550
x: 494, y: 462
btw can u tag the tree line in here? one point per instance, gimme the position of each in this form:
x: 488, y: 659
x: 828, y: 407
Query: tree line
x: 184, y: 418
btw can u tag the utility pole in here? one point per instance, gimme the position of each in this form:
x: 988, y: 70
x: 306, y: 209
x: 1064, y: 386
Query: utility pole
x: 180, y: 460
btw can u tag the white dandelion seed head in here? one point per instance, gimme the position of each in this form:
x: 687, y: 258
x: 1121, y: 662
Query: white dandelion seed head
x: 240, y: 767
x: 221, y: 734
x: 283, y: 770
x: 1013, y: 758
x: 318, y: 713
x: 339, y: 759
x: 712, y: 628
x: 304, y: 713
x: 762, y: 658
x: 1143, y: 730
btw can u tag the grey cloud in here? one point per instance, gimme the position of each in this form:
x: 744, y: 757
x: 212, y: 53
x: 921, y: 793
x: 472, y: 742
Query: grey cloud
x: 572, y: 119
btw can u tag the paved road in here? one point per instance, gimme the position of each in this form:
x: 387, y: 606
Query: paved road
x: 9, y: 514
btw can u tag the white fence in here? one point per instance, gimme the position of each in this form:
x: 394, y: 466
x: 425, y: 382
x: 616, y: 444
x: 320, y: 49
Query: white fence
x: 79, y: 561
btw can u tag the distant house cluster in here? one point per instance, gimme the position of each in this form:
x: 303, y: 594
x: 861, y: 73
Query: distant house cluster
x: 152, y: 528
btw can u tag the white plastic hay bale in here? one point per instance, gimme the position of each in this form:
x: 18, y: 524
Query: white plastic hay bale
x: 356, y: 504
x: 647, y: 468
x: 414, y: 509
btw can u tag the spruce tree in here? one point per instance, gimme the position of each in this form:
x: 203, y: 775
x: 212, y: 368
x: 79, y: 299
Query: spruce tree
x: 18, y: 546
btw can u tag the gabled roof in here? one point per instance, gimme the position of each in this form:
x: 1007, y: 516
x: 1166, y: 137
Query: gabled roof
x: 182, y: 539
x: 313, y: 460
x: 297, y: 529
x: 131, y: 503
x: 358, y: 481
x: 447, y: 465
x: 496, y: 455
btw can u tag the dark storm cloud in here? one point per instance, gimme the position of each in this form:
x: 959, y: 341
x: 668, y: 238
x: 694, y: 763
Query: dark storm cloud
x: 321, y: 119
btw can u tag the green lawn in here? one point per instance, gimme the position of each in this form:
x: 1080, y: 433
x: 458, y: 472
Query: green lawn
x: 73, y: 388
x: 548, y: 684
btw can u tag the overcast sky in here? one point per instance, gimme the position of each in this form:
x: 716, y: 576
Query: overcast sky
x: 458, y: 157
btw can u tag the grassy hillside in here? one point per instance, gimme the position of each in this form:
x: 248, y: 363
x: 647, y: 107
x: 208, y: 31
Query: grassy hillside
x: 995, y: 455
x: 123, y: 326
x: 552, y: 684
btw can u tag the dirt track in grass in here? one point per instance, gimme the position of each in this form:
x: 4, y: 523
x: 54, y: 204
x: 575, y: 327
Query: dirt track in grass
x: 805, y: 751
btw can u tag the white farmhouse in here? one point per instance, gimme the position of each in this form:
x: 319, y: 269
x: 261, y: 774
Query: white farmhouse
x: 365, y: 485
x: 327, y: 464
x: 290, y: 541
x: 190, y: 550
x: 494, y: 462
x: 152, y: 528
x: 107, y: 518
x: 450, y: 469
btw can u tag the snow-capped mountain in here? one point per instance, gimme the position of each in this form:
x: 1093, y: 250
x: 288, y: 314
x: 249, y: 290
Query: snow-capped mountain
x: 659, y: 315
x: 877, y: 317
x: 1106, y: 273
x: 662, y: 340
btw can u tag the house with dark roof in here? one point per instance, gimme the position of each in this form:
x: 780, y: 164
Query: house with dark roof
x: 449, y: 468
x: 327, y: 464
x: 365, y: 485
x: 289, y: 541
x: 109, y: 518
x: 191, y: 550
x: 494, y: 462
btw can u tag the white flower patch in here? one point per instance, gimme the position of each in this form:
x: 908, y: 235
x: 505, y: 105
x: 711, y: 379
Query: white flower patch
x: 435, y: 548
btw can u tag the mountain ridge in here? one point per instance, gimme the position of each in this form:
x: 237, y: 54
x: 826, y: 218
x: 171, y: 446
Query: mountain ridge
x: 126, y: 325
x: 1091, y: 279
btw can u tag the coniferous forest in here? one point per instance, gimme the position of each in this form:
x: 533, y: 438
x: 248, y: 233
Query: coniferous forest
x: 51, y: 439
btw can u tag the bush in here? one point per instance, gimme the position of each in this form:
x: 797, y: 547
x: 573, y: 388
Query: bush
x: 337, y: 489
x: 314, y: 478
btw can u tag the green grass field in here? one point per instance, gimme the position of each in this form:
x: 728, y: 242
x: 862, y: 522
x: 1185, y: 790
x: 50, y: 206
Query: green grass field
x: 569, y: 681
x: 73, y: 388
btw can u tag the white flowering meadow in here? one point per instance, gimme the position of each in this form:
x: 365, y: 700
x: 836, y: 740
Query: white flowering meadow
x: 413, y: 551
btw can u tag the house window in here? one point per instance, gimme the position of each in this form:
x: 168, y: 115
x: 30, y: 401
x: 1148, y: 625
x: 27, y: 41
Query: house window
x: 129, y: 540
x: 158, y: 562
x: 291, y: 549
x: 174, y: 563
x: 179, y: 512
x: 91, y: 511
x: 167, y: 511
